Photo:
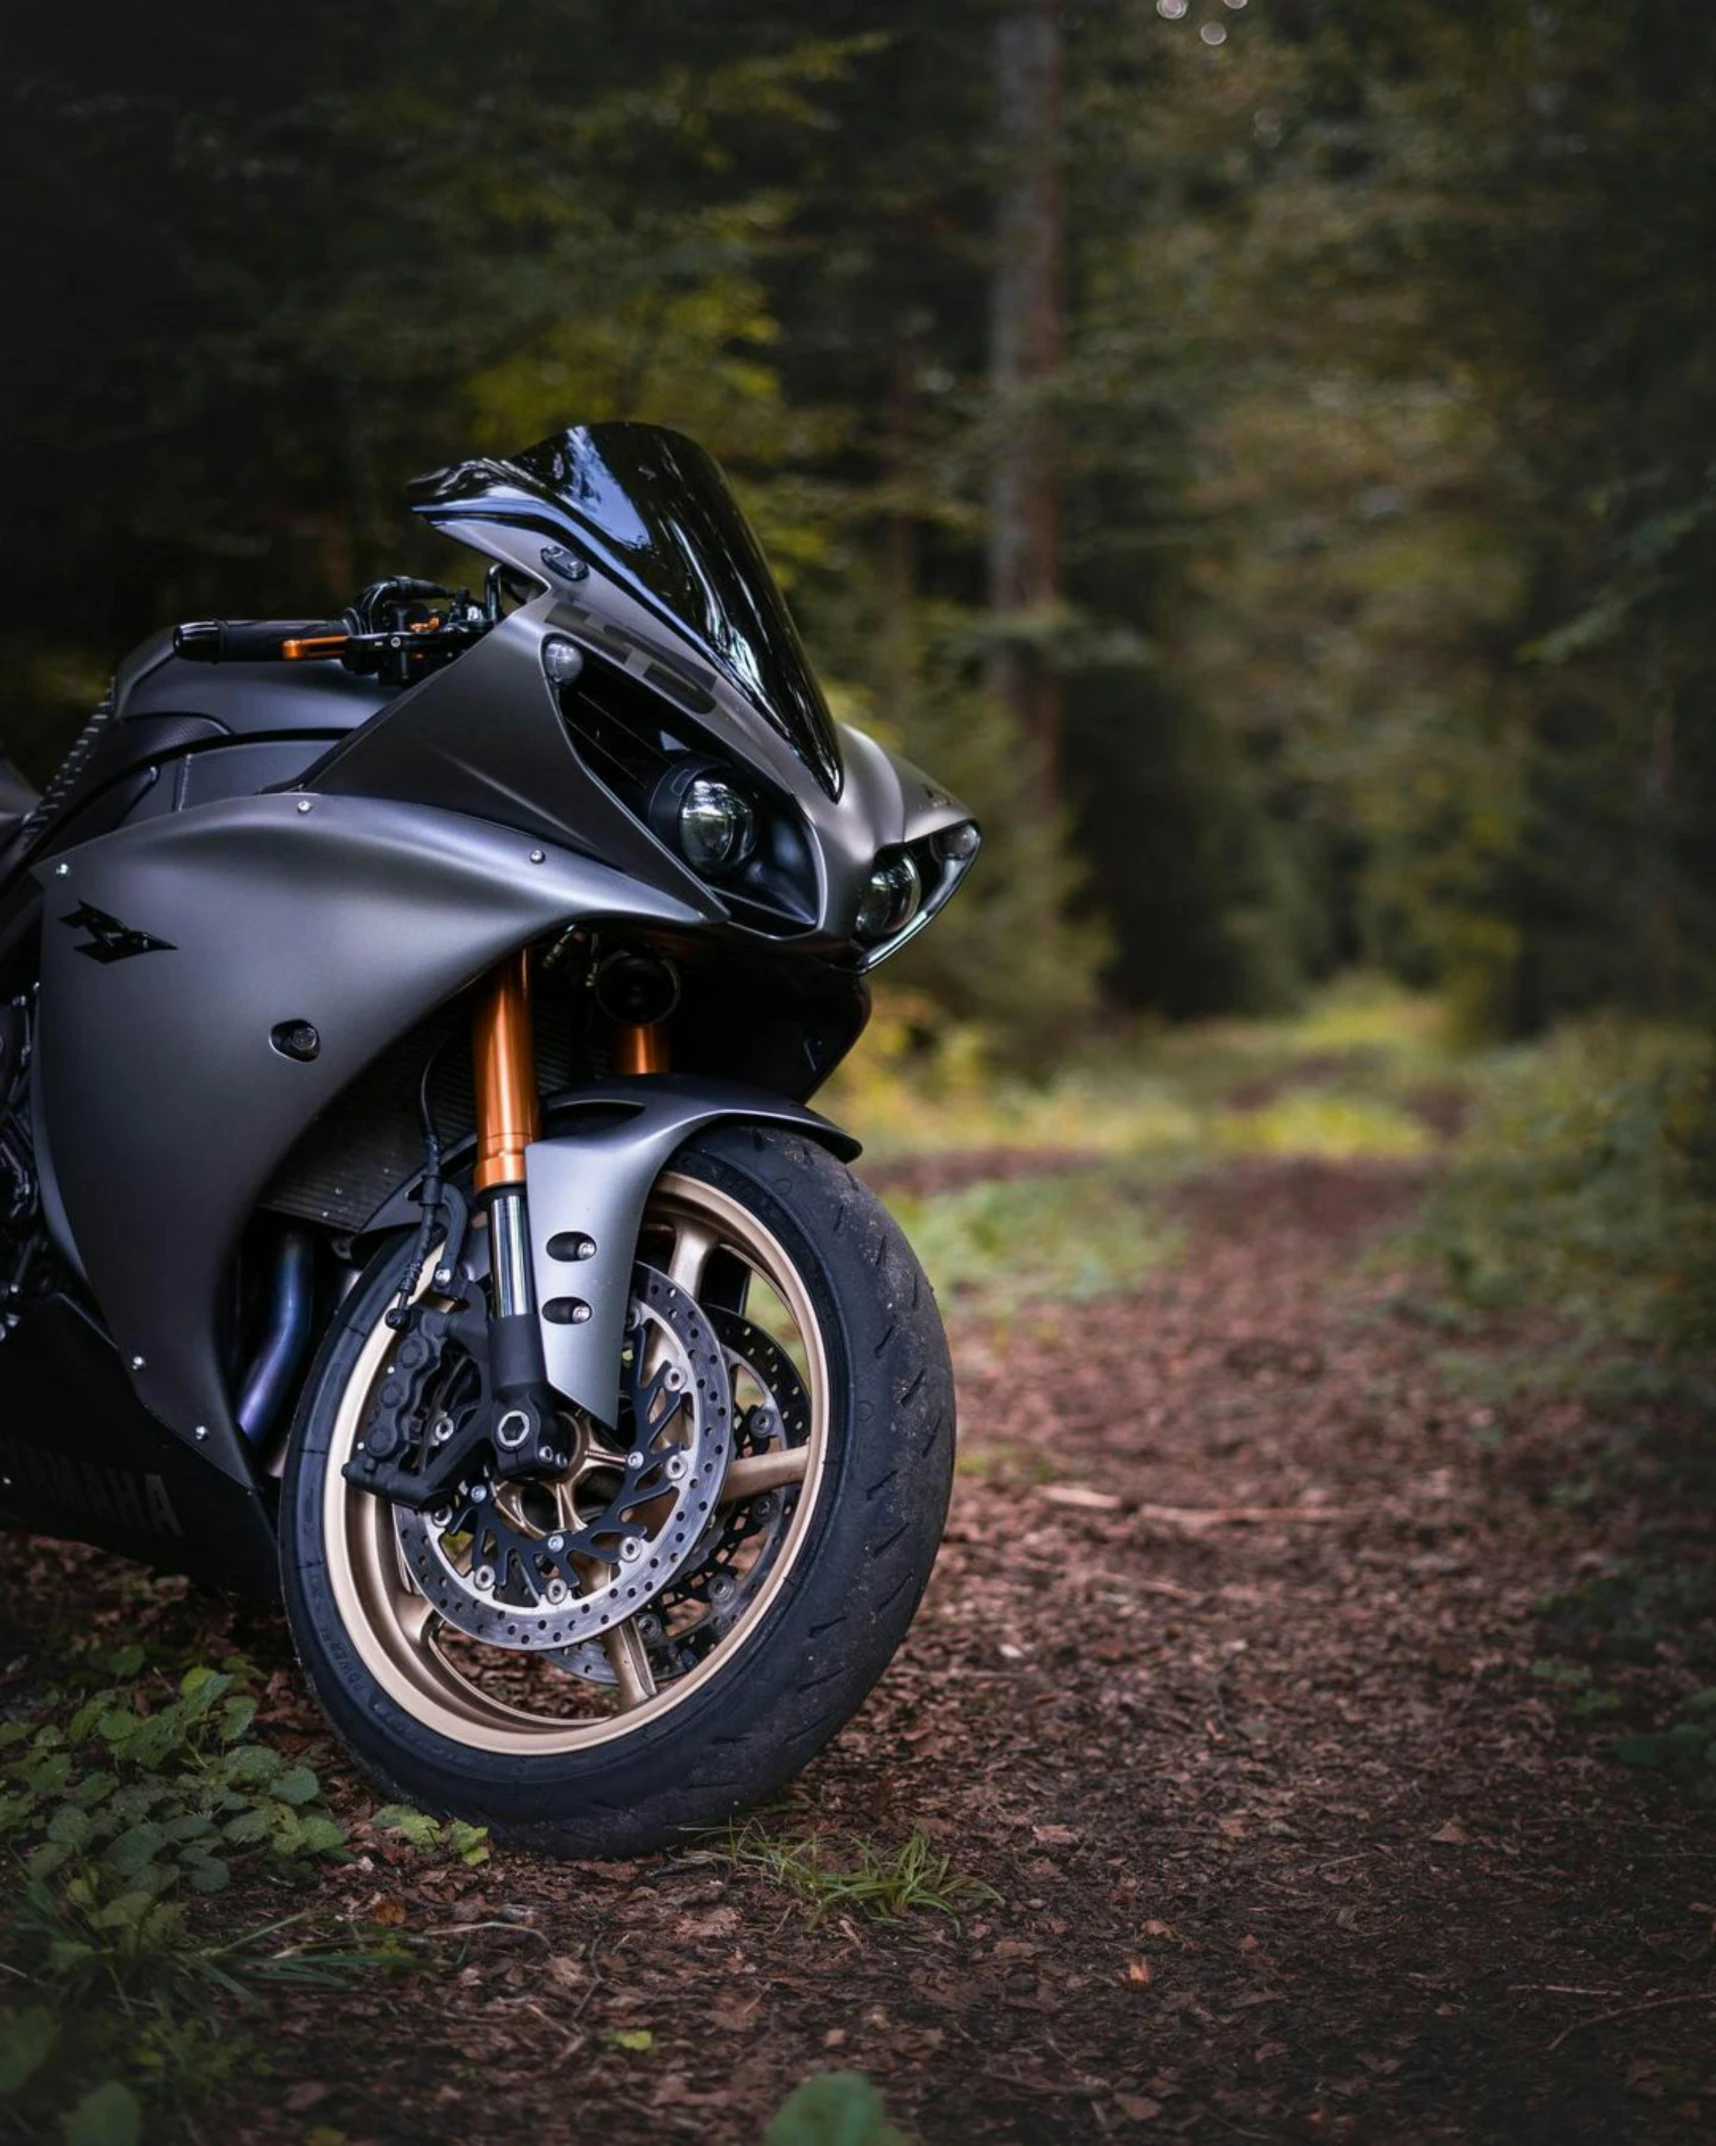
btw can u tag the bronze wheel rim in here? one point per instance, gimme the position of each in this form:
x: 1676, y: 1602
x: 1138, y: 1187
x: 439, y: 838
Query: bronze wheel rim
x: 399, y: 1635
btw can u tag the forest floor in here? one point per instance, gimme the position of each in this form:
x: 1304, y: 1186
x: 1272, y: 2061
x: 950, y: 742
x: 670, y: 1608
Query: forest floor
x: 1228, y: 1698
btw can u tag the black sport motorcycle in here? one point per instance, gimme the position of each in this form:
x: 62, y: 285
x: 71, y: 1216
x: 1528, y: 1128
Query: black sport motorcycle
x: 407, y: 1203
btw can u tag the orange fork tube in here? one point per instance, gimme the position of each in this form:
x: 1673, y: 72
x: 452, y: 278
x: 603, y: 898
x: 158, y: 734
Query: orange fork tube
x: 640, y: 1047
x: 509, y: 1114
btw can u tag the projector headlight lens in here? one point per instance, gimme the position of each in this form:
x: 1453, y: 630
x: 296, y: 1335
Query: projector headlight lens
x: 717, y: 828
x: 890, y: 900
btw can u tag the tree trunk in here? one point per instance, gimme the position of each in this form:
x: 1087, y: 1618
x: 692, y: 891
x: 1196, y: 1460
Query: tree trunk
x: 1657, y: 875
x: 900, y: 537
x: 1025, y: 337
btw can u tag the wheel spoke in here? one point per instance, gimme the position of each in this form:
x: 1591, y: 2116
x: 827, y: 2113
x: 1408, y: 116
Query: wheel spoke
x: 597, y: 1456
x: 630, y: 1658
x: 693, y: 1242
x: 750, y: 1474
x: 414, y: 1616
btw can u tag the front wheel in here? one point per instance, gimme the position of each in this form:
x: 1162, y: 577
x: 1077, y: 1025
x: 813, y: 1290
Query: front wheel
x: 598, y: 1663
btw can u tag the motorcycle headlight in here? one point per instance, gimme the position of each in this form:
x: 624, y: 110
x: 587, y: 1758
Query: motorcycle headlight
x: 890, y: 899
x: 717, y: 827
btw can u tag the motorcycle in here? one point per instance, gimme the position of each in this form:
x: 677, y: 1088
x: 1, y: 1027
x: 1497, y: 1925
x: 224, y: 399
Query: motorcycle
x: 409, y: 1207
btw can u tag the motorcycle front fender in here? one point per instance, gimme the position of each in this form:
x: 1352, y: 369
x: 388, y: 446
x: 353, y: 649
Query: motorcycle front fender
x: 588, y: 1184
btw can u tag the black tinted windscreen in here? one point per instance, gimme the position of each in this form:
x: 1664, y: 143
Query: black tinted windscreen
x: 653, y: 511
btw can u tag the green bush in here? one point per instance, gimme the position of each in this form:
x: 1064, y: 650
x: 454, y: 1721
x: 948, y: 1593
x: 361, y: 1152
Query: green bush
x: 1685, y: 1751
x: 1585, y: 1185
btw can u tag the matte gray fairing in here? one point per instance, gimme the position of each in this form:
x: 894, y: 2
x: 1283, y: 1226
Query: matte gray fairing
x: 165, y: 1107
x: 487, y: 736
x: 245, y: 699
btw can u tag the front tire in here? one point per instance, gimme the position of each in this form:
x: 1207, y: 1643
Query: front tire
x: 481, y: 1733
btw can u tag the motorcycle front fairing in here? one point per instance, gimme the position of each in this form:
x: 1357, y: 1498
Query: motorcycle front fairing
x: 646, y: 562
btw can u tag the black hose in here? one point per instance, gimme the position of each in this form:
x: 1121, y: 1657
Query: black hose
x: 276, y: 1364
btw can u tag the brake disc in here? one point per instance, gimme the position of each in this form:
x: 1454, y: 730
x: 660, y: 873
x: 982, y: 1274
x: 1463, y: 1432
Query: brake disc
x: 541, y: 1566
x: 732, y: 1559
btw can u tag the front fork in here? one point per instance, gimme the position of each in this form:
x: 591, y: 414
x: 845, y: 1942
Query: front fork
x: 509, y: 1119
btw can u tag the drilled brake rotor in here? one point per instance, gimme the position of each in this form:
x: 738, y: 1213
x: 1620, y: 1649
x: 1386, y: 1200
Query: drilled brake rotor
x: 730, y: 1563
x: 549, y: 1565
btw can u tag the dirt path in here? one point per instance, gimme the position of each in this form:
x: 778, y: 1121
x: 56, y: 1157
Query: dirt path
x: 1232, y: 1711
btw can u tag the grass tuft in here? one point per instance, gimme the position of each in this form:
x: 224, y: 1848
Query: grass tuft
x: 834, y: 1873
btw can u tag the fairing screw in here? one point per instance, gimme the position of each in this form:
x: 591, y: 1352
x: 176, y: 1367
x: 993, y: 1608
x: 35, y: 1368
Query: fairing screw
x: 60, y: 870
x: 201, y: 1432
x: 539, y: 856
x: 304, y: 804
x: 138, y: 1363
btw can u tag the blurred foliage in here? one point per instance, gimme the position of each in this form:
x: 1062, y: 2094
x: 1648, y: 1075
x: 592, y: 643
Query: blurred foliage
x: 1584, y: 1185
x: 1685, y: 1751
x: 833, y: 2108
x: 1009, y: 1241
x: 1350, y: 1074
x: 1059, y: 1191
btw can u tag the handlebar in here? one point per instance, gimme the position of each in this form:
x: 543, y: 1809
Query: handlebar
x: 397, y: 630
x: 259, y: 640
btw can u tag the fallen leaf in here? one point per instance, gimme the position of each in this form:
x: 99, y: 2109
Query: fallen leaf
x: 389, y: 1913
x: 719, y: 1922
x: 1138, y: 1973
x: 1451, y: 1835
x: 1080, y: 1497
x: 1138, y: 2108
x: 306, y: 2094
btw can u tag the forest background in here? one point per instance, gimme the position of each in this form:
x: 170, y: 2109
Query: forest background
x: 1260, y: 454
